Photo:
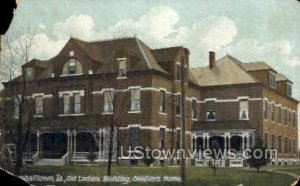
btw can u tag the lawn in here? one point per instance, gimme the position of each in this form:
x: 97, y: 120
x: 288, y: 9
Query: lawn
x: 195, y: 175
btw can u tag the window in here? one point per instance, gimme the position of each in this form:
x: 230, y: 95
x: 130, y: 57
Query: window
x: 285, y: 145
x: 72, y: 67
x: 135, y: 99
x: 108, y: 101
x: 178, y: 132
x: 210, y: 111
x: 266, y: 109
x: 16, y: 108
x: 273, y: 141
x: 244, y: 109
x: 134, y: 141
x: 279, y: 115
x: 162, y: 101
x: 266, y: 139
x: 122, y: 67
x: 272, y: 80
x: 29, y: 74
x: 162, y: 138
x: 66, y: 102
x: 279, y: 144
x: 289, y: 115
x: 289, y: 89
x: 273, y: 112
x: 286, y: 116
x: 39, y: 105
x: 178, y: 105
x: 178, y: 72
x: 294, y: 146
x: 77, y: 106
x: 194, y: 109
x: 295, y: 119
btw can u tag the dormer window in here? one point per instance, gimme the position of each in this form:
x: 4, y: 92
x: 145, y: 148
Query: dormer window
x: 272, y: 80
x: 72, y: 67
x: 29, y: 74
x: 122, y: 67
x: 289, y: 89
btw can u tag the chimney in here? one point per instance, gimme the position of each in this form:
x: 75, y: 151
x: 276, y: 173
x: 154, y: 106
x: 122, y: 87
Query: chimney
x: 212, y: 59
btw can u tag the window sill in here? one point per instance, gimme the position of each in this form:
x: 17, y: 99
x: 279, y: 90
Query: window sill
x: 134, y: 111
x: 107, y: 113
x: 38, y: 116
x: 210, y: 119
x: 122, y: 77
x: 162, y: 113
x: 194, y: 119
x: 178, y: 115
x: 68, y: 75
x: 63, y: 115
x: 244, y: 119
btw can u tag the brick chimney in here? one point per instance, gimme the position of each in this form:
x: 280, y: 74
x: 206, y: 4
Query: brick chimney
x: 212, y: 59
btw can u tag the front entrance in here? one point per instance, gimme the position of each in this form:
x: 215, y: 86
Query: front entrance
x: 53, y: 145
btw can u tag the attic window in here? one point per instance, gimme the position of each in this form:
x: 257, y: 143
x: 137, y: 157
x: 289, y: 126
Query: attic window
x: 289, y: 89
x: 29, y: 74
x: 122, y: 67
x: 272, y: 80
x: 72, y: 67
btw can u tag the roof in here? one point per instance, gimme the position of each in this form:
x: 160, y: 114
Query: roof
x: 222, y: 125
x: 167, y: 54
x: 254, y: 66
x: 104, y: 51
x: 281, y: 77
x: 225, y: 72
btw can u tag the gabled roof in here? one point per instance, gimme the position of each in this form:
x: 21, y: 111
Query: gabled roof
x: 254, y: 66
x: 227, y: 71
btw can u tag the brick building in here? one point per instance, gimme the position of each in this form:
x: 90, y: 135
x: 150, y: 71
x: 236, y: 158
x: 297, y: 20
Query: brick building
x: 77, y: 95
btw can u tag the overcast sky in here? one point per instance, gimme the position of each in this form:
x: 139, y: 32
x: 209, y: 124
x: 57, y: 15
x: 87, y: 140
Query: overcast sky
x: 254, y: 30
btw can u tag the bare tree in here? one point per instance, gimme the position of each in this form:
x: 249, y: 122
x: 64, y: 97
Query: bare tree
x: 16, y: 53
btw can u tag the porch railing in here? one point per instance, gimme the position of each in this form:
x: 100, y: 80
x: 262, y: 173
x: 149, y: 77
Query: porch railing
x: 65, y: 158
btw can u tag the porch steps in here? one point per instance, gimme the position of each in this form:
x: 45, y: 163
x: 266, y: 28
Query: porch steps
x: 56, y: 162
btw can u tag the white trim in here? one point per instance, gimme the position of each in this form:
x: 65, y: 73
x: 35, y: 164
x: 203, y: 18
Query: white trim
x: 68, y: 75
x: 134, y: 111
x: 210, y: 99
x: 81, y: 92
x: 79, y: 114
x: 107, y: 113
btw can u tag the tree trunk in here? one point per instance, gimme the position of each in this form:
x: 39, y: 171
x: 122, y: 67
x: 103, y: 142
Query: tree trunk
x: 19, y: 150
x: 110, y: 150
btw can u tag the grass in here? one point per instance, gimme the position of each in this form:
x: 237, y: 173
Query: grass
x: 195, y: 175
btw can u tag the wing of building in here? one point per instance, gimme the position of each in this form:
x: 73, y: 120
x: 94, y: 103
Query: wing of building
x: 76, y: 97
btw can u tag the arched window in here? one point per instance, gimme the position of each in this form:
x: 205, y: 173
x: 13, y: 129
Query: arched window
x: 72, y: 66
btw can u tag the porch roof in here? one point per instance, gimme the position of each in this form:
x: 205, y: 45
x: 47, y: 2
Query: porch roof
x: 222, y: 125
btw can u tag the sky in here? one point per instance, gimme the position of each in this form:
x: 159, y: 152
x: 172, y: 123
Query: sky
x: 250, y: 30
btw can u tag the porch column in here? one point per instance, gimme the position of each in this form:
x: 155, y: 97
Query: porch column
x: 194, y: 145
x: 38, y: 141
x: 99, y: 144
x: 229, y: 146
x: 243, y: 142
x: 207, y: 142
x: 74, y: 143
x: 68, y: 142
x: 225, y: 141
x: 248, y: 141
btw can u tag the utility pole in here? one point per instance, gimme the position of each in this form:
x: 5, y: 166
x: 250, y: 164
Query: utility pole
x: 182, y: 123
